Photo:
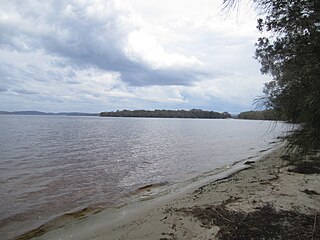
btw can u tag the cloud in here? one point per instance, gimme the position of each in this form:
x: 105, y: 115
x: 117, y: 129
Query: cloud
x: 94, y: 55
x: 144, y: 48
x: 104, y: 34
x: 23, y: 91
x: 3, y: 89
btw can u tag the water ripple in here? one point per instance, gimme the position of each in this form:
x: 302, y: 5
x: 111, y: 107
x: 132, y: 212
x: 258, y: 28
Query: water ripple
x: 51, y: 165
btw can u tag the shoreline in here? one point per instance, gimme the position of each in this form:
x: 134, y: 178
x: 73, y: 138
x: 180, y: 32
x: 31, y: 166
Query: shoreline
x: 150, y: 195
x: 142, y: 199
x: 264, y: 183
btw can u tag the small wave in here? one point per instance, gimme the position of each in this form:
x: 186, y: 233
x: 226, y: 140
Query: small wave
x: 264, y: 150
x: 61, y: 221
x: 149, y: 190
x: 149, y: 187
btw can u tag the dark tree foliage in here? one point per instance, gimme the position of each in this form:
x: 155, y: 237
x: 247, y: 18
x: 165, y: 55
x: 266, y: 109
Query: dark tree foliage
x: 290, y: 53
x: 269, y: 114
x: 193, y: 113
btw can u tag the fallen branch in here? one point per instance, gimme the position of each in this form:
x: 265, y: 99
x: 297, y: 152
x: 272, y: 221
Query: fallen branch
x: 314, y: 226
x: 221, y: 215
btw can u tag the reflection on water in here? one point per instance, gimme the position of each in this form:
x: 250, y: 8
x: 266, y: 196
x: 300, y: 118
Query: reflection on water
x: 51, y: 165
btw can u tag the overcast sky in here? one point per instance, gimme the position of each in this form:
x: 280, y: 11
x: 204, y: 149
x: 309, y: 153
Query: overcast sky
x: 92, y: 56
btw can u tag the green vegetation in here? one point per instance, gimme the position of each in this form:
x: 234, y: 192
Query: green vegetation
x: 193, y: 113
x: 269, y: 114
x: 290, y: 53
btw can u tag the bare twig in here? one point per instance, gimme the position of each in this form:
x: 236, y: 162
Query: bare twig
x: 221, y: 215
x: 314, y: 226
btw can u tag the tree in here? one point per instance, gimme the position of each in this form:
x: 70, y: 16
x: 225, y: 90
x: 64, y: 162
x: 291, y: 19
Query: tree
x: 290, y: 53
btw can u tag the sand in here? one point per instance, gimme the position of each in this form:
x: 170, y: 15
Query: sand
x: 266, y: 200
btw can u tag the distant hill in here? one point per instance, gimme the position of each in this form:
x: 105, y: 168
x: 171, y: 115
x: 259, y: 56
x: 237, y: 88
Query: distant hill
x: 45, y: 113
x: 77, y: 114
x: 193, y: 113
x: 26, y: 113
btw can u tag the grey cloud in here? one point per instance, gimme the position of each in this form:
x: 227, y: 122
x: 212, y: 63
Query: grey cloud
x: 67, y: 30
x: 24, y: 91
x: 142, y: 76
x: 61, y: 75
x: 3, y: 89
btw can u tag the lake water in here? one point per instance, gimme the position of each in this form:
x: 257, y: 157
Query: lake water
x: 53, y: 165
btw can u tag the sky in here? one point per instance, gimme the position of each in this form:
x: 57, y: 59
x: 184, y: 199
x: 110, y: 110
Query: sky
x: 104, y: 55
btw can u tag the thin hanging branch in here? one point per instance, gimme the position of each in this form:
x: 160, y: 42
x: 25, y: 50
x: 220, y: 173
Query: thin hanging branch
x: 229, y: 6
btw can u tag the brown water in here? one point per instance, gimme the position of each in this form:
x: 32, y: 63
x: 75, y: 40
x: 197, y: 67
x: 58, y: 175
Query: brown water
x: 54, y: 165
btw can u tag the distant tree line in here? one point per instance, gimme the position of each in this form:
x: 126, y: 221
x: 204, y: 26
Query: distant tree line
x: 193, y: 113
x: 269, y: 114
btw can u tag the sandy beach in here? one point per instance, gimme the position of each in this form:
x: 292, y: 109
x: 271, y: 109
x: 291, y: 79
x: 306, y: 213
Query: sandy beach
x: 269, y: 199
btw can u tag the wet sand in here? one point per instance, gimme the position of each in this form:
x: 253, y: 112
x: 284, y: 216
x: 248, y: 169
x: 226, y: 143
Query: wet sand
x: 265, y: 199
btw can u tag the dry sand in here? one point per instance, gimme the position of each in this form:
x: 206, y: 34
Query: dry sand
x: 265, y: 201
